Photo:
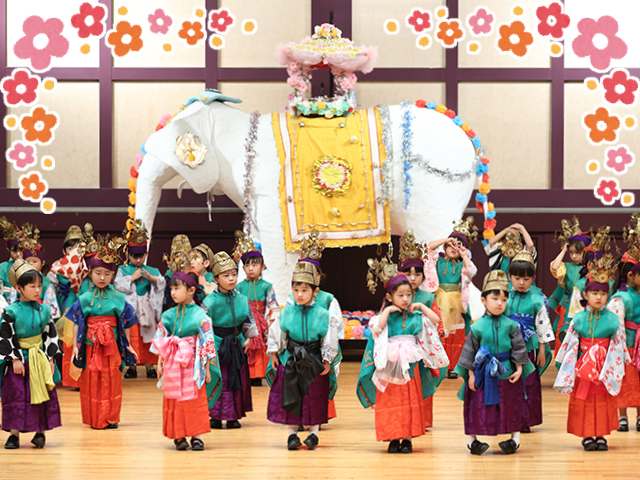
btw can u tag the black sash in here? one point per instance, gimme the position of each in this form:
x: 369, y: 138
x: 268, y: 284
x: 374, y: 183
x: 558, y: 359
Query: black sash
x: 231, y: 354
x: 300, y: 371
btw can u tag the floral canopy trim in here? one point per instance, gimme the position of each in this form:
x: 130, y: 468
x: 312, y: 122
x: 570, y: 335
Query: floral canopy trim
x: 331, y: 175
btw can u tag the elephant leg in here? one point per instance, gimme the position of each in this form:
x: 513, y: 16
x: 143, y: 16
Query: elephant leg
x: 152, y: 176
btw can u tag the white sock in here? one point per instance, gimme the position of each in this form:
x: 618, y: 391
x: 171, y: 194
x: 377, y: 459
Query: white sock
x: 515, y: 436
x: 314, y: 429
x: 293, y: 430
x: 470, y: 439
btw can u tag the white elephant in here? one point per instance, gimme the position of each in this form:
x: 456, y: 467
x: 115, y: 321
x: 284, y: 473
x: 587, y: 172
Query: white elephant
x: 435, y: 202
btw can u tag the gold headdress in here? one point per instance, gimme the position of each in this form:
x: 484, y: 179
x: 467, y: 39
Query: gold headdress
x: 511, y: 244
x: 19, y: 268
x: 30, y: 237
x: 73, y: 234
x: 631, y: 236
x: 109, y: 249
x: 467, y: 229
x: 524, y: 256
x: 206, y: 252
x: 495, y: 280
x: 602, y: 270
x: 10, y: 231
x: 382, y: 270
x: 569, y: 229
x: 410, y: 249
x: 221, y: 263
x: 601, y: 240
x: 88, y: 246
x: 306, y: 272
x: 179, y: 257
x: 312, y: 246
x: 244, y: 245
x: 137, y: 234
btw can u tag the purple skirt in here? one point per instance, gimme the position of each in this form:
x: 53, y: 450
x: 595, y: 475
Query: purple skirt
x: 233, y: 404
x: 18, y: 413
x: 315, y: 405
x: 509, y: 416
x: 534, y: 394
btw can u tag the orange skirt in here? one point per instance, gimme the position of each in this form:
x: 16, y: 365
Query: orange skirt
x: 186, y: 419
x: 629, y: 395
x: 142, y: 349
x: 332, y: 409
x: 427, y: 411
x: 67, y: 381
x: 453, y: 346
x: 596, y: 416
x: 259, y: 369
x: 101, y: 392
x: 399, y: 411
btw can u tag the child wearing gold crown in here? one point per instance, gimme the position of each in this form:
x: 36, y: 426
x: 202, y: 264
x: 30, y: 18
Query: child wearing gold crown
x: 403, y: 346
x: 28, y: 346
x: 11, y: 234
x: 592, y: 358
x: 201, y: 259
x: 303, y: 358
x: 262, y: 299
x: 493, y: 363
x: 100, y: 345
x: 529, y: 308
x: 506, y: 243
x: 144, y: 289
x: 233, y: 328
x: 178, y: 260
x: 452, y: 279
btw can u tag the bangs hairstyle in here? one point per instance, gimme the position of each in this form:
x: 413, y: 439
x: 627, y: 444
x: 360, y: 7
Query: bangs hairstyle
x: 417, y: 269
x: 32, y: 276
x: 577, y: 244
x: 70, y: 243
x: 520, y: 268
x: 296, y: 284
x: 176, y: 282
x: 137, y: 255
x: 253, y: 260
x: 495, y: 292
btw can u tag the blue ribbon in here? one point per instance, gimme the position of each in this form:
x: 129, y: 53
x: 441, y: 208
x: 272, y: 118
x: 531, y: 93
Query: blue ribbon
x: 487, y: 370
x: 64, y: 289
x: 526, y: 323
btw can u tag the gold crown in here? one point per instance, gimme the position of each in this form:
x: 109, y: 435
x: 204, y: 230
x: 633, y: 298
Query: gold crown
x: 601, y: 240
x: 178, y: 259
x: 495, y: 280
x: 603, y: 269
x: 312, y: 246
x: 568, y: 230
x: 511, y: 244
x: 410, y: 249
x: 136, y: 233
x: 73, y: 233
x: 10, y: 231
x: 306, y: 272
x: 181, y: 244
x: 206, y: 252
x: 19, y: 268
x: 631, y: 236
x: 175, y: 263
x: 89, y: 245
x: 30, y: 237
x: 382, y: 270
x: 467, y: 229
x: 221, y: 263
x: 524, y: 256
x: 109, y: 249
x: 244, y: 245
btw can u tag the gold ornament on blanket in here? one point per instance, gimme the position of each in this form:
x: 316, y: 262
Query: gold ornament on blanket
x: 381, y: 270
x: 137, y: 234
x: 10, y: 231
x: 603, y: 269
x: 511, y: 244
x: 30, y: 237
x: 568, y: 229
x: 190, y: 150
x: 631, y: 236
x: 601, y: 239
x: 410, y: 249
x: 19, y: 268
x: 312, y: 246
x: 244, y: 245
x: 331, y: 176
x: 467, y: 229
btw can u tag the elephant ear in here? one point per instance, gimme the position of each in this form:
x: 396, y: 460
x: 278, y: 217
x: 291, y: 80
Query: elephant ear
x: 162, y: 144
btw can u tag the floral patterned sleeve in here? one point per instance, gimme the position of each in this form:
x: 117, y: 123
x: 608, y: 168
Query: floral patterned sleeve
x: 559, y: 274
x: 206, y: 340
x: 161, y: 332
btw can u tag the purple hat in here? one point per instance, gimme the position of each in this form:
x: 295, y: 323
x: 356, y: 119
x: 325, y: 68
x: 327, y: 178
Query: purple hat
x: 251, y: 254
x: 12, y: 243
x: 37, y: 252
x: 594, y: 286
x: 311, y: 260
x: 408, y: 264
x: 582, y: 238
x: 459, y: 236
x: 399, y: 278
x: 186, y: 278
x: 95, y: 262
x: 137, y: 249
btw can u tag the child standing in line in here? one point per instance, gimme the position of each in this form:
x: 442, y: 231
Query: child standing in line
x: 177, y: 261
x: 592, y: 362
x: 506, y: 244
x: 11, y: 234
x: 493, y: 363
x: 200, y: 261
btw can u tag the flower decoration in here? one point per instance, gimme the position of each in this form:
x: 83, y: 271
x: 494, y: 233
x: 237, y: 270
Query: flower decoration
x: 125, y: 38
x: 221, y: 20
x: 331, y: 176
x: 90, y: 21
x: 190, y: 150
x: 630, y: 122
x: 191, y: 32
x: 607, y: 190
x: 553, y: 20
x: 514, y: 39
x: 20, y: 88
x: 601, y: 126
x: 216, y: 42
x: 56, y: 46
x: 593, y: 167
x: 419, y: 20
x: 39, y: 125
x: 22, y: 155
x: 619, y: 159
x: 32, y: 187
x: 423, y: 42
x: 480, y: 22
x: 249, y: 26
x: 159, y: 22
x: 450, y: 32
x: 131, y: 184
x: 619, y: 86
x: 584, y: 46
x: 391, y: 26
x: 627, y: 199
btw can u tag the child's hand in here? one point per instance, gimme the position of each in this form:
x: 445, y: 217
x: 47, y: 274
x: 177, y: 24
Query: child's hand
x: 451, y: 241
x: 202, y: 281
x: 565, y: 247
x: 53, y: 367
x: 275, y: 361
x: 207, y: 374
x: 514, y: 377
x: 133, y: 352
x: 463, y: 252
x: 415, y: 306
x: 159, y: 370
x: 541, y: 356
x: 327, y: 367
x: 74, y: 354
x: 136, y: 275
x: 246, y: 345
x: 18, y: 367
x: 149, y: 277
x: 392, y: 308
x: 472, y: 381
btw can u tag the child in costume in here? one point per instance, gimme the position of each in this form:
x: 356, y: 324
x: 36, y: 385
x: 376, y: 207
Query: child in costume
x: 506, y: 243
x: 186, y: 360
x: 233, y: 328
x: 528, y: 307
x: 11, y: 234
x: 177, y: 260
x: 592, y: 358
x: 144, y: 289
x: 454, y: 270
x: 493, y: 363
x: 300, y: 372
x: 200, y: 261
x: 100, y: 345
x: 28, y: 345
x: 403, y: 346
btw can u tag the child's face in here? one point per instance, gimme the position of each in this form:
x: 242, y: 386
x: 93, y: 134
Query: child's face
x: 415, y: 278
x: 521, y: 284
x: 101, y: 277
x: 31, y: 291
x: 575, y: 255
x: 137, y: 260
x: 36, y: 263
x: 253, y: 270
x: 15, y: 253
x: 495, y: 304
x: 66, y: 251
x: 303, y: 293
x: 633, y: 279
x: 227, y: 280
x: 198, y: 263
x: 401, y: 298
x: 596, y: 299
x: 452, y: 251
x: 181, y: 293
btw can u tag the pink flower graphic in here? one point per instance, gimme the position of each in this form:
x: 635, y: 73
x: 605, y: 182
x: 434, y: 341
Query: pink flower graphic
x: 36, y: 29
x: 22, y: 155
x: 90, y: 20
x: 619, y: 159
x: 619, y: 86
x: 160, y: 22
x: 481, y: 22
x: 21, y: 88
x: 607, y: 190
x: 221, y: 20
x: 552, y: 20
x: 419, y: 20
x: 603, y: 33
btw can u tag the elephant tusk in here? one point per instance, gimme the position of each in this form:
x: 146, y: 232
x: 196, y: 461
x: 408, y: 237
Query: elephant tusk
x: 180, y: 188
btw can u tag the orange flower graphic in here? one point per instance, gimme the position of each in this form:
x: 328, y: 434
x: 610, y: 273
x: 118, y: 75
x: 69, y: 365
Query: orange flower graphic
x: 449, y: 32
x: 39, y: 125
x: 191, y: 32
x: 601, y: 126
x: 125, y: 38
x: 32, y: 187
x: 514, y: 38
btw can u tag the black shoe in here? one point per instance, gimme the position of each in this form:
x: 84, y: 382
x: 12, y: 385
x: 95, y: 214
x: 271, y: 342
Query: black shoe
x: 181, y: 444
x: 197, y: 445
x: 215, y: 424
x: 394, y: 446
x: 111, y: 426
x: 311, y: 441
x: 601, y: 444
x: 131, y: 373
x: 39, y: 440
x: 406, y: 446
x: 526, y: 430
x: 477, y: 447
x: 293, y: 442
x: 233, y: 424
x: 76, y: 389
x: 13, y: 442
x: 452, y: 375
x: 300, y: 428
x: 508, y: 447
x: 151, y: 373
x: 638, y: 425
x: 589, y: 444
x: 623, y: 423
x: 256, y: 382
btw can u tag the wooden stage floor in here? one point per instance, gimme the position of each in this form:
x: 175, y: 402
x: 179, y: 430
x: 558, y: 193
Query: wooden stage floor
x: 347, y: 450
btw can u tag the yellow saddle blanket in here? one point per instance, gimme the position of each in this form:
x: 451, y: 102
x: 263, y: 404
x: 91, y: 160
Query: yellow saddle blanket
x: 330, y: 178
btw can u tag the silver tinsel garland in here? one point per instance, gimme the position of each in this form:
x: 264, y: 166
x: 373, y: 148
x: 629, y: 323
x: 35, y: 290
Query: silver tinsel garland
x: 249, y: 146
x: 386, y: 171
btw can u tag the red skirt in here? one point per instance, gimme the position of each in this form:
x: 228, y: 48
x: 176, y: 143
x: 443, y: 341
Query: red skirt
x: 427, y: 411
x: 67, y: 381
x: 259, y: 369
x: 629, y: 395
x: 186, y: 419
x: 332, y: 409
x: 101, y: 391
x: 142, y: 349
x: 399, y: 411
x: 453, y: 346
x: 596, y: 416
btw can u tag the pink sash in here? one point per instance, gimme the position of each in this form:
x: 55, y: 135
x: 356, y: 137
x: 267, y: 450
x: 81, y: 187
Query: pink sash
x: 178, y: 355
x: 635, y: 353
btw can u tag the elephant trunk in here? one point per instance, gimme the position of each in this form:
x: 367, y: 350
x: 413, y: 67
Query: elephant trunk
x: 152, y: 176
